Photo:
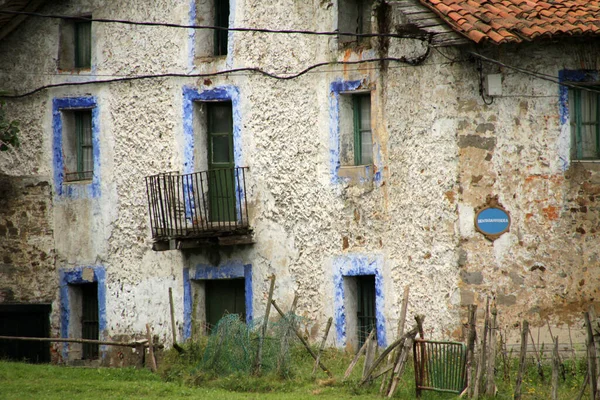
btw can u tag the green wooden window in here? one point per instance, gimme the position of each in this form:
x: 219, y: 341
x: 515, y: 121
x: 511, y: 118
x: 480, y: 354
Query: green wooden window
x: 363, y: 138
x: 83, y: 44
x: 85, y: 152
x: 221, y: 20
x: 584, y: 112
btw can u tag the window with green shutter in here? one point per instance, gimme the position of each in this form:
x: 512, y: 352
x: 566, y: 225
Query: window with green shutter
x: 75, y: 48
x: 354, y: 16
x: 584, y: 113
x: 78, y: 145
x: 83, y: 44
x: 221, y: 20
x: 355, y: 132
x: 363, y: 138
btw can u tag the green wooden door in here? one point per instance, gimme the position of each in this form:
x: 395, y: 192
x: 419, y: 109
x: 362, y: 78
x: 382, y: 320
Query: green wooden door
x: 366, y: 307
x: 221, y: 183
x: 89, y: 319
x: 224, y: 296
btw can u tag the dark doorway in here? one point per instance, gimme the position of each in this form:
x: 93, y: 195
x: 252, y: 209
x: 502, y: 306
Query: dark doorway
x: 26, y: 320
x: 89, y: 319
x: 365, y: 315
x: 224, y: 296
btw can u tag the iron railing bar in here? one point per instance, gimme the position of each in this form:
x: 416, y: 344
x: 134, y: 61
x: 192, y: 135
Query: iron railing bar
x: 155, y: 207
x: 171, y: 204
x: 180, y: 195
x: 193, y: 190
x: 238, y: 198
x: 174, y: 204
x: 167, y: 183
x: 162, y: 208
x: 179, y: 204
x: 245, y: 223
x: 227, y: 196
x: 189, y: 204
x: 220, y: 204
x: 149, y: 205
x: 204, y: 197
x: 213, y: 187
x: 437, y: 341
x: 203, y: 214
x: 155, y: 215
x: 180, y: 215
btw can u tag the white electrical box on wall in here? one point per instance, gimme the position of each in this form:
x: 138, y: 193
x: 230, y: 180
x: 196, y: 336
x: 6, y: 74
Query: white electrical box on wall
x: 493, y: 85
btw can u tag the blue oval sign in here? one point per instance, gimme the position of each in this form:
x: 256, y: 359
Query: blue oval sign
x: 492, y: 221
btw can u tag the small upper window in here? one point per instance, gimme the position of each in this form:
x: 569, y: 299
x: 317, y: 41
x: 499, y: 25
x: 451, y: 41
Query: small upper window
x: 212, y: 42
x: 75, y: 44
x: 585, y: 125
x: 77, y: 145
x: 355, y: 130
x: 354, y: 16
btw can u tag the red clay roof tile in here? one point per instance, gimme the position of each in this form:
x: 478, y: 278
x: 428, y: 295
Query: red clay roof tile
x: 502, y: 21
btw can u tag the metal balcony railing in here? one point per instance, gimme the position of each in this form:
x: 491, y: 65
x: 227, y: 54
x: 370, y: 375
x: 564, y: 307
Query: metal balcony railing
x: 197, y: 205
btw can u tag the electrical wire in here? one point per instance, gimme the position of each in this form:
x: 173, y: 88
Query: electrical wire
x: 220, y: 28
x: 413, y: 61
x: 481, y: 91
x: 535, y: 74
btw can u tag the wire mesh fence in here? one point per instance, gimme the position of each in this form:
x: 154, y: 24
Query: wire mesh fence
x: 233, y: 345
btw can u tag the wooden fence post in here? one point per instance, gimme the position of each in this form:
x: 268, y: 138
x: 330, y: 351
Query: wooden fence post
x: 482, y: 352
x: 329, y: 322
x: 153, y: 367
x: 555, y: 367
x: 261, y: 339
x: 522, y: 360
x: 591, y: 351
x: 491, y: 382
x: 472, y: 336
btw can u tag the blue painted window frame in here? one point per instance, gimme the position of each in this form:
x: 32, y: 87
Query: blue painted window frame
x: 340, y: 88
x: 358, y: 265
x: 191, y: 96
x: 74, y: 276
x: 193, y: 37
x: 586, y: 77
x: 74, y: 189
x: 228, y: 270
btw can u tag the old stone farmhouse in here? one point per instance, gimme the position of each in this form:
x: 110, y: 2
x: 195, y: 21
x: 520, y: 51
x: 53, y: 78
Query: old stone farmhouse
x: 158, y: 154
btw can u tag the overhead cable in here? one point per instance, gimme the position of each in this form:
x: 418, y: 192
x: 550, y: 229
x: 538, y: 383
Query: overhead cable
x: 535, y: 74
x: 411, y: 61
x: 220, y: 28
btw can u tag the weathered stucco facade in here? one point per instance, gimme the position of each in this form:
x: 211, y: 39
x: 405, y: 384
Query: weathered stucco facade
x: 408, y: 218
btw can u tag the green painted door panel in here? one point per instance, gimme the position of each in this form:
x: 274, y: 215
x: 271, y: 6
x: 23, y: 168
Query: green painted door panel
x: 224, y: 296
x: 221, y: 181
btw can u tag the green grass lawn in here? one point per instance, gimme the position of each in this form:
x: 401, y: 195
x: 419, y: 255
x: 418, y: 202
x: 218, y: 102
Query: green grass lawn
x: 180, y: 378
x: 26, y: 381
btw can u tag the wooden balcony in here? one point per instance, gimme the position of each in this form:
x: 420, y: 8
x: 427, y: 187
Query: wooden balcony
x: 202, y: 208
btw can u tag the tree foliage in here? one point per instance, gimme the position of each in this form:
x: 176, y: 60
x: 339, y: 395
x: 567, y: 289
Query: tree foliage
x: 9, y: 130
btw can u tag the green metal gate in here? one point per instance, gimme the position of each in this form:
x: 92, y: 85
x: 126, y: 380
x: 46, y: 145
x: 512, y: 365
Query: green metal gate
x: 439, y: 366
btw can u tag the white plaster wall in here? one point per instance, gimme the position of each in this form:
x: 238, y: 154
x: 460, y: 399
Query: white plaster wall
x: 418, y: 217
